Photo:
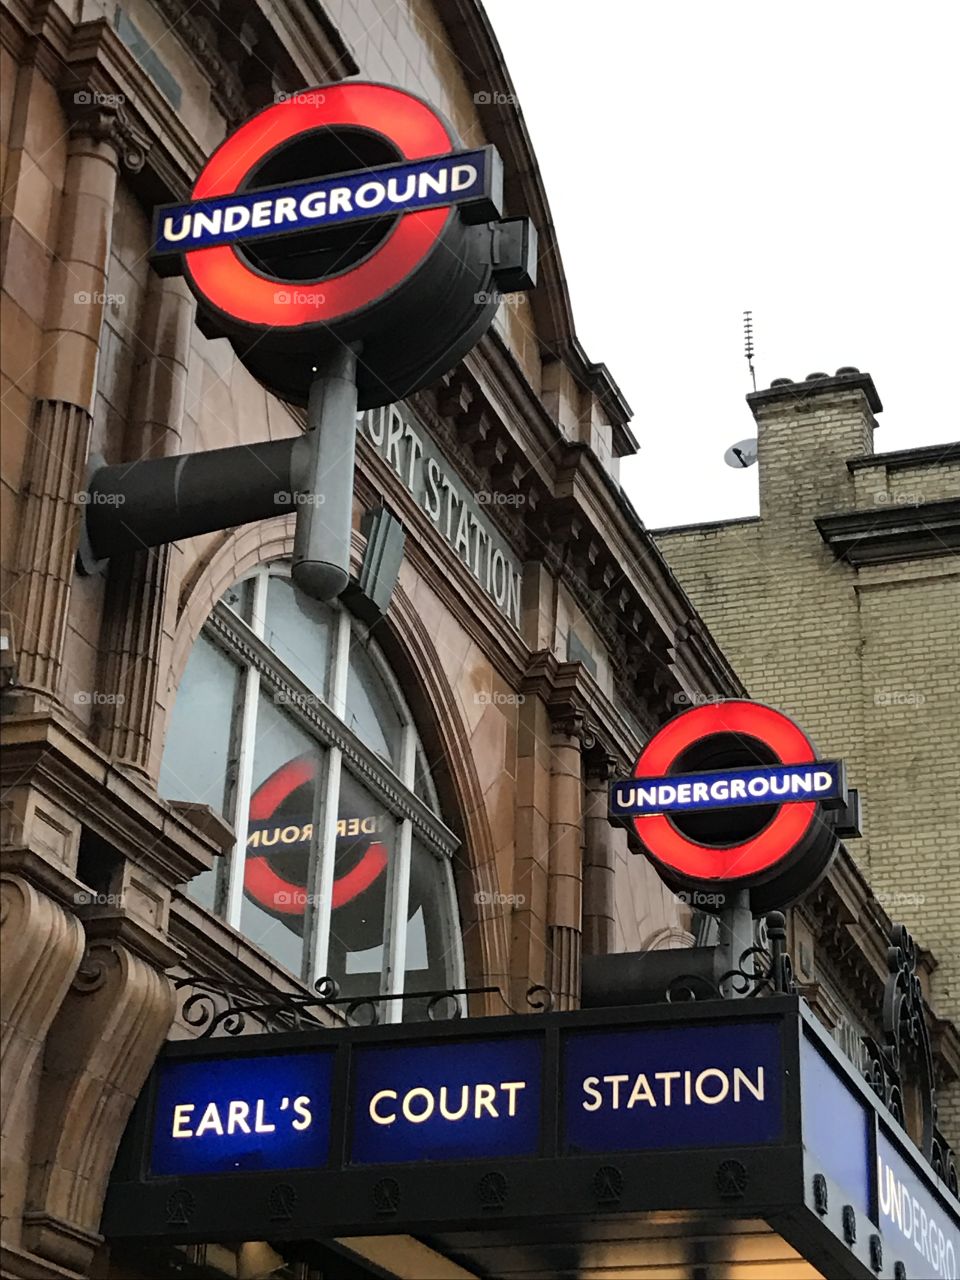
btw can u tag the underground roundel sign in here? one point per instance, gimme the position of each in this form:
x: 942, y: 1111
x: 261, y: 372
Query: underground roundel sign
x: 732, y: 795
x: 347, y: 213
x: 278, y: 864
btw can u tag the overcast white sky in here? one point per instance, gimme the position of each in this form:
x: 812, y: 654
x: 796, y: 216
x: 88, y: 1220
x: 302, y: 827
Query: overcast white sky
x: 705, y: 157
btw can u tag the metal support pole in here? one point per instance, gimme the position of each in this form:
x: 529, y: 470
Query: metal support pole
x: 736, y: 934
x: 324, y: 483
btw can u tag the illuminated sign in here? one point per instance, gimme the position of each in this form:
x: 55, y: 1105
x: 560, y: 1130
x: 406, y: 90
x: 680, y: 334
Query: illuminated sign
x: 721, y: 1109
x: 672, y: 1087
x: 701, y: 792
x: 347, y: 215
x: 468, y: 177
x: 835, y: 1127
x: 768, y: 821
x: 922, y: 1229
x: 242, y: 1114
x: 446, y: 1102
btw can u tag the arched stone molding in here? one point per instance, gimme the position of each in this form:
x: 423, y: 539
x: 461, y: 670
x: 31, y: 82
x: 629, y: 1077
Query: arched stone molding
x: 485, y: 937
x: 100, y: 1049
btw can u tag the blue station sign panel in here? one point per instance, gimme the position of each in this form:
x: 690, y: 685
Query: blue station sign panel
x: 670, y: 1087
x: 923, y: 1230
x: 447, y: 1101
x: 836, y: 1127
x: 242, y: 1114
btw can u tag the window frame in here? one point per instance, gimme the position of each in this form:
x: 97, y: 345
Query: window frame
x: 323, y: 719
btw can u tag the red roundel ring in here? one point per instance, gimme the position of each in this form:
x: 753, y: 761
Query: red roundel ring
x: 782, y: 835
x: 230, y: 285
x: 263, y: 883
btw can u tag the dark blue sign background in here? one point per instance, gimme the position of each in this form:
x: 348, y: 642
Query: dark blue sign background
x: 401, y: 173
x: 643, y: 1126
x: 704, y: 800
x: 275, y: 1082
x: 401, y: 1068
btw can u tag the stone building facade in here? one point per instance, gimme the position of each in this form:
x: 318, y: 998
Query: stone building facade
x: 138, y: 697
x: 840, y: 603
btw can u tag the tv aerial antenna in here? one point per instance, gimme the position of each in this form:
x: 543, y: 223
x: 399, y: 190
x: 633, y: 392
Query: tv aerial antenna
x: 748, y: 344
x: 743, y: 454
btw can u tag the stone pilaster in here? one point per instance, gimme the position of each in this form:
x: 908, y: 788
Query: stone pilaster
x: 599, y: 858
x: 55, y: 466
x: 42, y: 945
x: 99, y: 1051
x: 565, y: 875
x: 142, y: 589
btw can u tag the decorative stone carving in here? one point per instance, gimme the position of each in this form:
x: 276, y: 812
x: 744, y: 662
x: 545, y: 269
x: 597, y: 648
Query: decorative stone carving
x: 100, y: 1049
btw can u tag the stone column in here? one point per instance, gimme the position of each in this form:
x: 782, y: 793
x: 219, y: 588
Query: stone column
x: 565, y: 874
x: 65, y: 391
x: 99, y: 1052
x: 599, y: 858
x: 41, y: 946
x: 141, y: 596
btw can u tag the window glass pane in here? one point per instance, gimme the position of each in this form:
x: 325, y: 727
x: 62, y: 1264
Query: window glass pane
x: 423, y: 784
x: 298, y: 630
x: 432, y: 935
x: 239, y: 598
x: 197, y: 763
x: 366, y: 840
x: 279, y: 837
x: 371, y: 712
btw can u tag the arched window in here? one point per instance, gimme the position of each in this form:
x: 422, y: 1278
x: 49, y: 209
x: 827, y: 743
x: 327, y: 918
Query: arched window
x: 289, y: 723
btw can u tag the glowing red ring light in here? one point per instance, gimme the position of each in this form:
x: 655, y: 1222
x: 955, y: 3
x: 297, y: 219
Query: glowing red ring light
x: 751, y: 857
x: 269, y: 888
x: 235, y: 289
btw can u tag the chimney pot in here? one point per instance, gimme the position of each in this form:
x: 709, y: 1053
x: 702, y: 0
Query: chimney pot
x: 782, y: 382
x: 816, y: 377
x: 847, y: 368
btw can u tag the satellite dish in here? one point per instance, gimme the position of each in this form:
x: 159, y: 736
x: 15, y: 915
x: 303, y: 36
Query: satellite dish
x: 742, y: 454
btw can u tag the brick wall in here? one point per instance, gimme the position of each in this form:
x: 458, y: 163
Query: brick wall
x: 865, y: 658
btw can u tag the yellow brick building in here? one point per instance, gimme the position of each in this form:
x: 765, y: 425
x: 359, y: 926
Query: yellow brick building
x: 840, y: 603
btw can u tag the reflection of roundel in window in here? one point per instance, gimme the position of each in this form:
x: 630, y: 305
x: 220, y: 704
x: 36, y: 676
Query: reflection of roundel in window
x: 279, y: 836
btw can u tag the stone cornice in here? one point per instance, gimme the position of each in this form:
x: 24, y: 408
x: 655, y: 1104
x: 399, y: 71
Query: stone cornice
x: 472, y: 38
x: 40, y: 750
x: 883, y: 535
x: 851, y: 931
x: 571, y: 693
